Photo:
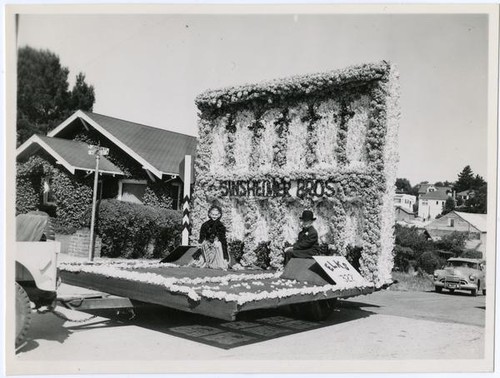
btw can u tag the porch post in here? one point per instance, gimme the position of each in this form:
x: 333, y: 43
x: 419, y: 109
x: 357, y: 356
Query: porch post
x: 186, y: 223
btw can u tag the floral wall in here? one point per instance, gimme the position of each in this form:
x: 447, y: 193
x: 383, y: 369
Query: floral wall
x: 325, y: 142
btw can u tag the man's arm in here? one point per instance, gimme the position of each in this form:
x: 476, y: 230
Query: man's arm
x: 306, y: 240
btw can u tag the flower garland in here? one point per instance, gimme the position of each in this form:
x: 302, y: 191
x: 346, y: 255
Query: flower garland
x: 280, y: 147
x: 326, y: 133
x: 229, y: 143
x: 356, y: 133
x: 218, y: 149
x: 296, y: 148
x: 242, y: 140
x: 267, y: 137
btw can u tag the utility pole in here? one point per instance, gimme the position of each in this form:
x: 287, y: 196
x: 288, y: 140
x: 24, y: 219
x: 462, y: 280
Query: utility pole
x: 97, y: 151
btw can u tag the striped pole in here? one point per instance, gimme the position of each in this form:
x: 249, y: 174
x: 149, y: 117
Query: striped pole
x: 186, y: 224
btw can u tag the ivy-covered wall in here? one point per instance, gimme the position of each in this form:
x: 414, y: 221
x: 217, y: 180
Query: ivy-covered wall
x: 325, y: 142
x: 72, y: 193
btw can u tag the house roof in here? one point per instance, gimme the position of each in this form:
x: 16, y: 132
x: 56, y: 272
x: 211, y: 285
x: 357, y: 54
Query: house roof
x: 476, y: 220
x: 73, y: 155
x: 437, y: 195
x: 404, y: 210
x: 422, y: 189
x: 158, y: 150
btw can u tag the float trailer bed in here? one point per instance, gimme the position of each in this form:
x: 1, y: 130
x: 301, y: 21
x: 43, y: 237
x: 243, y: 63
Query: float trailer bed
x: 151, y: 293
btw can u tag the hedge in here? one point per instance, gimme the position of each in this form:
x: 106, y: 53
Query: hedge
x: 132, y: 230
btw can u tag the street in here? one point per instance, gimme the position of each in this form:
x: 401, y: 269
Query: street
x: 386, y: 325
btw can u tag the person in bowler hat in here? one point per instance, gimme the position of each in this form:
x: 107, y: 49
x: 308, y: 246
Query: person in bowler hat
x: 307, y: 244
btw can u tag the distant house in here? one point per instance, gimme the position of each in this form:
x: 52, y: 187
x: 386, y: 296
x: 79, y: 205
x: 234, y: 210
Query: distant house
x: 142, y: 165
x: 405, y: 201
x: 403, y: 215
x: 431, y: 200
x: 474, y: 225
x: 465, y: 195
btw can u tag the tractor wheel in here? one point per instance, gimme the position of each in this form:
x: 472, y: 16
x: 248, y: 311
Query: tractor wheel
x: 23, y: 314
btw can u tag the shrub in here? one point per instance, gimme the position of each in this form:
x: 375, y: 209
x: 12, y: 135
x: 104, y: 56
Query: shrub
x: 132, y: 230
x: 454, y: 242
x: 262, y: 254
x: 235, y: 249
x: 413, y: 238
x: 429, y: 261
x: 404, y: 257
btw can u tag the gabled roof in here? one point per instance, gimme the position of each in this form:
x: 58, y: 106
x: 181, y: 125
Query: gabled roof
x: 424, y: 187
x: 477, y: 220
x: 159, y: 151
x: 71, y: 154
x: 404, y: 210
x: 437, y: 195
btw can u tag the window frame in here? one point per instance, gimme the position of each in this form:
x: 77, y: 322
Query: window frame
x: 128, y: 181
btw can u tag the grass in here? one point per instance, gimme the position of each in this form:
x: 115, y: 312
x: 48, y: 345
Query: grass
x: 410, y: 282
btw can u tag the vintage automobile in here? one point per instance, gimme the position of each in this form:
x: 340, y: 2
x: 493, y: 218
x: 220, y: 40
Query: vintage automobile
x: 461, y: 274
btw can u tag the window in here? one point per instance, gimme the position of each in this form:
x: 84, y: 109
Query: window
x: 175, y: 193
x: 451, y: 222
x: 48, y: 194
x: 131, y: 190
x: 437, y: 202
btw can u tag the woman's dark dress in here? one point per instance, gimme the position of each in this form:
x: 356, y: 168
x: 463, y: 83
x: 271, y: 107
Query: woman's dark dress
x: 212, y: 229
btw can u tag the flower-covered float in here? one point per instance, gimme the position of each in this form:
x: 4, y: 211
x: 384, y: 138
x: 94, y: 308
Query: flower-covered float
x: 325, y: 142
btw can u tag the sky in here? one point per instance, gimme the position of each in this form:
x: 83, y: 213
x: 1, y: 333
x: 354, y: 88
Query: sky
x: 149, y: 68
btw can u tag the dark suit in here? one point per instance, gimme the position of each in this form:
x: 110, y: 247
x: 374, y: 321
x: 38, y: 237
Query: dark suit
x: 306, y: 246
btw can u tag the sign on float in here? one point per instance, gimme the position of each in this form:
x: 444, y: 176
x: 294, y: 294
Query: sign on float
x: 339, y: 270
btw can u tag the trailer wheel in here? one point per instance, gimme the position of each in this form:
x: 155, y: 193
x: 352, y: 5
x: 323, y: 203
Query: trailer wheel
x: 23, y: 314
x: 315, y: 311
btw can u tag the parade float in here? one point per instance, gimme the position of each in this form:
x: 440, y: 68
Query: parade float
x: 325, y: 142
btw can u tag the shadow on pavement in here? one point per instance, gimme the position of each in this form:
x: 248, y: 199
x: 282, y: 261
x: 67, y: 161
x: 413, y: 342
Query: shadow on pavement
x: 44, y: 327
x: 249, y: 328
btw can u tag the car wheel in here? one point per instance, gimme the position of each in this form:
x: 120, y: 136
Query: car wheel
x: 23, y: 314
x: 451, y: 290
x: 473, y: 292
x: 484, y: 291
x: 438, y: 289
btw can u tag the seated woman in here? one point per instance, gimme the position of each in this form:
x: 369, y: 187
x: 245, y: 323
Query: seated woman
x: 307, y: 244
x: 213, y: 240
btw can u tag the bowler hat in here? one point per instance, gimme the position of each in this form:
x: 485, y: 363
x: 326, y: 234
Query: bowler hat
x: 307, y: 215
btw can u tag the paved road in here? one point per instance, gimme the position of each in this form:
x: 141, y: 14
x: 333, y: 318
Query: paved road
x: 386, y: 325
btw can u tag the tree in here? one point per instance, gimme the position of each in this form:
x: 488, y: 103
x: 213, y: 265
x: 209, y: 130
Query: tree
x: 449, y: 205
x: 478, y: 182
x: 43, y: 97
x: 465, y: 179
x: 479, y: 202
x: 403, y: 185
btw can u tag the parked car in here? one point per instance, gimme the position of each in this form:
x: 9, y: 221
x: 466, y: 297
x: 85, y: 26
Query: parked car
x: 461, y: 274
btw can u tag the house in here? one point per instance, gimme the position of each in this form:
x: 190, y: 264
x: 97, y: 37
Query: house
x: 405, y: 201
x: 431, y: 200
x: 142, y: 165
x: 403, y: 215
x: 474, y: 225
x: 465, y: 195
